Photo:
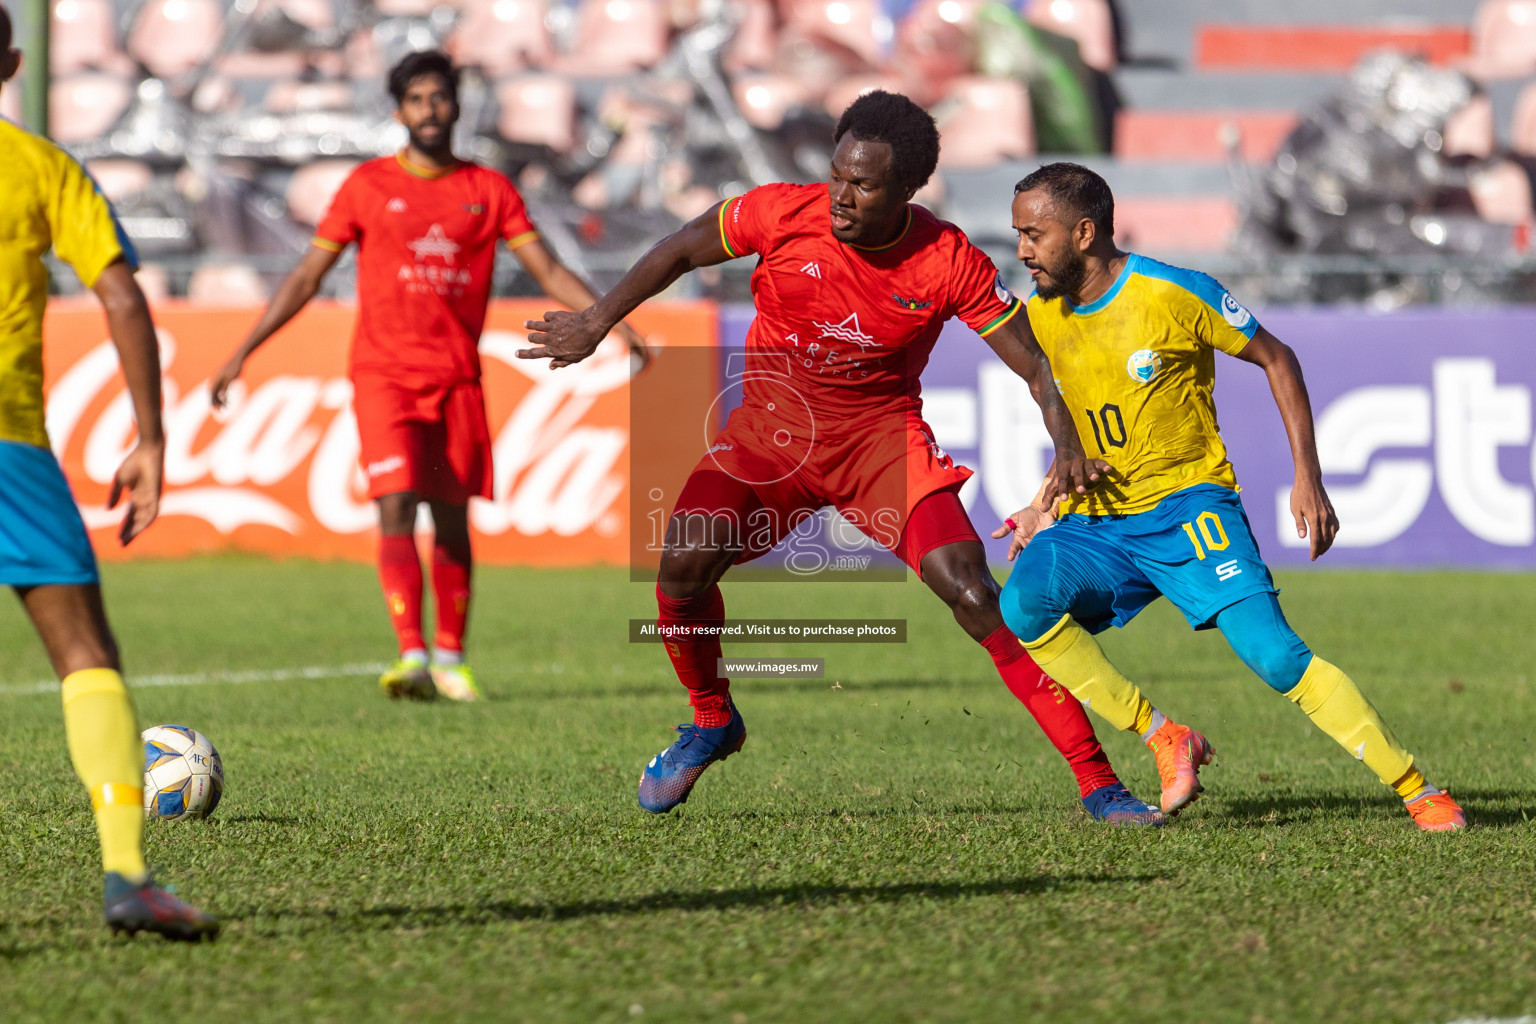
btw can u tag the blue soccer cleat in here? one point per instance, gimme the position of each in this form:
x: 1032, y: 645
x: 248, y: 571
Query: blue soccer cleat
x: 669, y: 778
x: 1114, y: 805
x: 145, y: 907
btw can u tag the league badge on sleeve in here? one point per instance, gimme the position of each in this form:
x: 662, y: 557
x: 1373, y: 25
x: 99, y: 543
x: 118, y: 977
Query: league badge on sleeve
x: 1233, y: 312
x: 1003, y: 294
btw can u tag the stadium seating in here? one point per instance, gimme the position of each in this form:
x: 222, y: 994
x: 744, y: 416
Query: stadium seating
x: 120, y: 178
x: 83, y: 106
x: 1322, y: 47
x: 764, y: 97
x: 853, y: 24
x: 1504, y: 39
x: 310, y: 189
x: 1089, y: 22
x: 1169, y: 224
x: 1501, y: 193
x: 501, y: 36
x: 537, y: 109
x: 616, y: 36
x: 84, y: 37
x: 172, y: 37
x: 1200, y: 135
x: 1522, y: 130
x: 756, y: 41
x: 985, y: 121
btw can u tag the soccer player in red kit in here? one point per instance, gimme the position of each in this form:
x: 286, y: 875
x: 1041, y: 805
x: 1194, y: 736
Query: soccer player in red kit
x: 426, y: 225
x: 848, y: 309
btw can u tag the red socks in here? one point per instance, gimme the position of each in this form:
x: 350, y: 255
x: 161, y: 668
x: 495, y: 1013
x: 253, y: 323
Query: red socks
x: 1058, y: 713
x: 400, y: 573
x: 697, y: 661
x: 450, y: 588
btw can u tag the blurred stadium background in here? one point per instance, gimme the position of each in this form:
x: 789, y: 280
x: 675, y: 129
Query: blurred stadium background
x: 1346, y: 166
x: 1280, y: 146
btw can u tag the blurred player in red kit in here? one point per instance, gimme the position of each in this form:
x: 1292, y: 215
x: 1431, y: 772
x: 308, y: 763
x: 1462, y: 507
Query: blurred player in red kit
x: 426, y: 225
x: 852, y: 286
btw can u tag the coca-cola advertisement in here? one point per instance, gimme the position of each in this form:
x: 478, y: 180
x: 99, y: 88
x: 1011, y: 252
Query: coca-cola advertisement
x: 278, y: 473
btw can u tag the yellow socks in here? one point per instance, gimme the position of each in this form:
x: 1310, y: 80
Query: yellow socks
x: 1336, y: 706
x: 1069, y: 655
x: 108, y: 757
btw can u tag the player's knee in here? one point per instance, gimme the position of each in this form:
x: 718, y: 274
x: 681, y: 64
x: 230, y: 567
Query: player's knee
x: 1278, y: 657
x: 1028, y: 611
x: 688, y: 570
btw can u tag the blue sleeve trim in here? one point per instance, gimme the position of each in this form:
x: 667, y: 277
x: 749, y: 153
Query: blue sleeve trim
x: 1204, y: 287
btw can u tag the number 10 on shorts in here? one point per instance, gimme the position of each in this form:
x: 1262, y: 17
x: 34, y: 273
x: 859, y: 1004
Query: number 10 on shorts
x: 1206, y: 526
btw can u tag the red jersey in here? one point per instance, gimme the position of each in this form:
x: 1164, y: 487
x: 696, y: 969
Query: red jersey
x: 854, y: 326
x: 426, y: 244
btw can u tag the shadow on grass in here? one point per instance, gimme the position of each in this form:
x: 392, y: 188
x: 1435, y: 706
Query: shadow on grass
x: 769, y: 897
x: 1486, y: 807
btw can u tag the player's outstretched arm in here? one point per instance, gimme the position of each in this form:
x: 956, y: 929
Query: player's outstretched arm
x: 565, y: 286
x: 1073, y: 472
x: 133, y: 332
x: 565, y: 338
x: 301, y: 285
x: 1315, y: 518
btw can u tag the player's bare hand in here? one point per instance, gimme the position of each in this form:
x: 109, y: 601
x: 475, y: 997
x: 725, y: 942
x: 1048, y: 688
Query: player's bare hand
x: 562, y: 337
x: 1023, y: 524
x: 1315, y: 519
x: 218, y: 387
x: 139, y: 477
x: 1073, y: 473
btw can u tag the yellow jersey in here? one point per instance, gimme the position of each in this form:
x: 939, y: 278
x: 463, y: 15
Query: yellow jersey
x: 1137, y: 369
x: 46, y: 200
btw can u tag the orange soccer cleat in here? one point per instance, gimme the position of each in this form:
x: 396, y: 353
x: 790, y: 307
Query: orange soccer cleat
x: 1180, y: 753
x: 1437, y: 812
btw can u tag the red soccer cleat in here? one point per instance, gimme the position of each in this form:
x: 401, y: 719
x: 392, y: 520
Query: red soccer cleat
x: 1180, y: 753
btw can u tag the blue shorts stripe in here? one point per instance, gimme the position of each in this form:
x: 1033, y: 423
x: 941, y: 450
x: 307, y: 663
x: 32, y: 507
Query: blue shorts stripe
x: 42, y: 537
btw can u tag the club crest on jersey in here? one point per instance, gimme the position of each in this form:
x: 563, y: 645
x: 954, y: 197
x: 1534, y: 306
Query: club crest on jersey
x: 913, y: 304
x: 1003, y: 294
x: 475, y: 208
x: 1233, y: 312
x: 1143, y: 365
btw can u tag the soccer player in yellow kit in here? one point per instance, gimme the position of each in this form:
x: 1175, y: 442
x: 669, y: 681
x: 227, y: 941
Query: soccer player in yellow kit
x: 47, y: 200
x: 1132, y: 345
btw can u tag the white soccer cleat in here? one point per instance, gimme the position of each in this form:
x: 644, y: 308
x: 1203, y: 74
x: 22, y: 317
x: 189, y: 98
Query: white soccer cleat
x: 456, y: 682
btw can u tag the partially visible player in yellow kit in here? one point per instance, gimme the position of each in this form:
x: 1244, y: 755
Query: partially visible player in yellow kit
x: 48, y: 201
x: 1132, y: 345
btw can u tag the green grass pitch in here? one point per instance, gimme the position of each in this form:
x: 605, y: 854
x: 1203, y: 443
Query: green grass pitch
x: 895, y: 843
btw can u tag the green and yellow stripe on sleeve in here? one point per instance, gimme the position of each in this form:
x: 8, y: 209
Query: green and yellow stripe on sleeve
x: 1011, y: 312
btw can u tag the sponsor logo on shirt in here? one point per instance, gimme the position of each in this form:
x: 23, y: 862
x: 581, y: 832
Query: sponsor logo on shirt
x: 1233, y: 312
x: 395, y: 205
x: 911, y: 303
x: 812, y: 269
x: 1143, y: 365
x: 849, y: 330
x: 435, y: 243
x: 475, y: 208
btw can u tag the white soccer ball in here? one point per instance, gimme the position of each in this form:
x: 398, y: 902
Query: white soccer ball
x: 183, y: 776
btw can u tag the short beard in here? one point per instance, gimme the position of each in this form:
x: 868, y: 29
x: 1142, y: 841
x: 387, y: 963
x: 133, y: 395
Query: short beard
x: 439, y: 151
x: 1066, y: 279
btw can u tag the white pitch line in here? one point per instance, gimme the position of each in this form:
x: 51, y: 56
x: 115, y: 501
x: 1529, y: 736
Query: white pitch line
x: 264, y: 675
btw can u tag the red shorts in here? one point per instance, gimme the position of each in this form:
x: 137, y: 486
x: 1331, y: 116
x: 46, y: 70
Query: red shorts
x: 874, y: 474
x: 431, y: 440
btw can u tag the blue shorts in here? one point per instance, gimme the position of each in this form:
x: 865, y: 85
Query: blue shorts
x: 1195, y: 548
x: 42, y: 537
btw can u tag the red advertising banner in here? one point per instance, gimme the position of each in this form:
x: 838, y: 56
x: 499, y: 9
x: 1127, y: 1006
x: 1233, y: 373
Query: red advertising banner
x: 278, y: 472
